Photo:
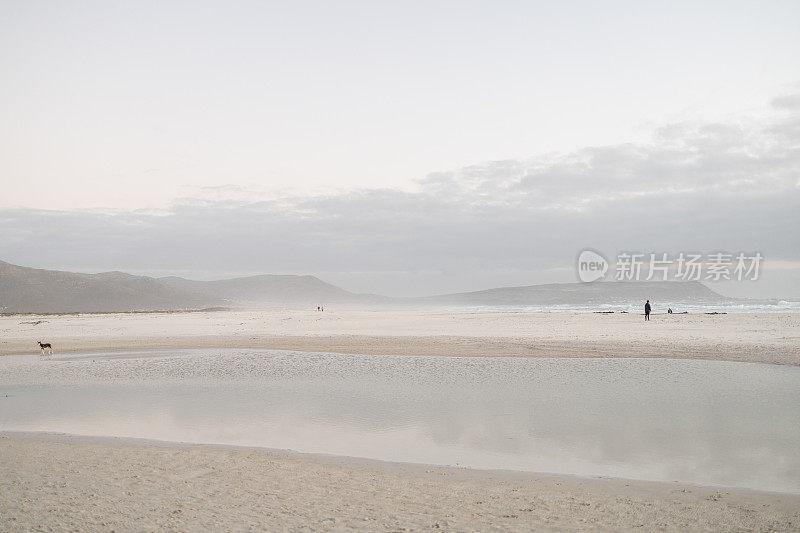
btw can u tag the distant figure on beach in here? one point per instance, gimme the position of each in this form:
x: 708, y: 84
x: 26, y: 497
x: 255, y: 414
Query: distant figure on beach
x: 647, y: 310
x: 318, y: 308
x: 669, y: 310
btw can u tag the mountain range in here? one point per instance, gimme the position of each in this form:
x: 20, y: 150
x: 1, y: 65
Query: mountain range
x: 31, y: 290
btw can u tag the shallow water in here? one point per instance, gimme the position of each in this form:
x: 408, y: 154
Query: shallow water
x: 706, y: 422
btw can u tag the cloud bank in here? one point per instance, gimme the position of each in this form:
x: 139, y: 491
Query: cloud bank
x: 695, y: 187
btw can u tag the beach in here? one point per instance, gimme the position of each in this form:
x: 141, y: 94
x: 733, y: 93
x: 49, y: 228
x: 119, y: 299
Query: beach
x: 400, y: 266
x: 745, y: 337
x: 66, y: 482
x: 58, y: 480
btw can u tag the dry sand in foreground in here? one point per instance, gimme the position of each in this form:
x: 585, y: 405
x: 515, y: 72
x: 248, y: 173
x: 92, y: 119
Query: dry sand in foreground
x: 67, y: 482
x: 767, y: 338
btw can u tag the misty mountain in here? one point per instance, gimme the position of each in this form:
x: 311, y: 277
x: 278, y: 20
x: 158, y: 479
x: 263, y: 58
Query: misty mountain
x: 32, y: 290
x: 271, y: 289
x: 582, y: 294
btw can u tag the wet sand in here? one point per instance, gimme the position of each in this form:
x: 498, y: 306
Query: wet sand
x: 67, y: 482
x: 764, y: 338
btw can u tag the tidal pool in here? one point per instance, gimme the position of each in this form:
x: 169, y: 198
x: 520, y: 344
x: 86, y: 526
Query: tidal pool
x: 704, y: 422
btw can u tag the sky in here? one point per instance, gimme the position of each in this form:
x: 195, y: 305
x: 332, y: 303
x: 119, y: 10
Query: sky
x: 398, y: 148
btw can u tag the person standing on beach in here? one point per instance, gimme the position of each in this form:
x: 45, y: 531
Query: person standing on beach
x: 647, y: 310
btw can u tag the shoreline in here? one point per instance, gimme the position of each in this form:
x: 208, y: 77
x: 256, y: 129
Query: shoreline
x: 441, y: 346
x: 507, y: 475
x: 761, y: 338
x: 51, y: 479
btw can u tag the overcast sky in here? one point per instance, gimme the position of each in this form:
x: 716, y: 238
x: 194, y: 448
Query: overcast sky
x: 407, y: 147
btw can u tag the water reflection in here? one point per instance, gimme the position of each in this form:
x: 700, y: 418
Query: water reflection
x: 706, y: 422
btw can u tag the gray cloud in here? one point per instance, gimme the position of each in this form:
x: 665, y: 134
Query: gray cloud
x: 789, y: 101
x: 703, y: 187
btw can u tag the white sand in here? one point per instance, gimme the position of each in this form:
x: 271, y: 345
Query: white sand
x: 65, y: 482
x: 769, y: 338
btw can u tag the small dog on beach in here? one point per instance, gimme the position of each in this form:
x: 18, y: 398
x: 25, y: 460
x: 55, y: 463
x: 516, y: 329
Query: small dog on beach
x: 46, y: 346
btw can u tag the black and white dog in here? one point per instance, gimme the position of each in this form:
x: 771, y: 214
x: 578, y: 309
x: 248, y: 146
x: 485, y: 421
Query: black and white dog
x: 46, y: 346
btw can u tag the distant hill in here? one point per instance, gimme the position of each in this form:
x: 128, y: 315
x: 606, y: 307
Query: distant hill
x: 32, y: 290
x: 272, y: 290
x: 581, y: 294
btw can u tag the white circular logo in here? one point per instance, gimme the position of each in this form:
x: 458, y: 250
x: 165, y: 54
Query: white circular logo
x: 591, y: 266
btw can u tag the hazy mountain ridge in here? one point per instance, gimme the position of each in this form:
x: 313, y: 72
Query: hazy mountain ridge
x: 582, y: 294
x: 30, y: 290
x: 271, y: 288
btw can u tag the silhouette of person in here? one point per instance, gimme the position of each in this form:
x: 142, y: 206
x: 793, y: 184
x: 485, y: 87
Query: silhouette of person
x: 669, y: 310
x: 647, y: 310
